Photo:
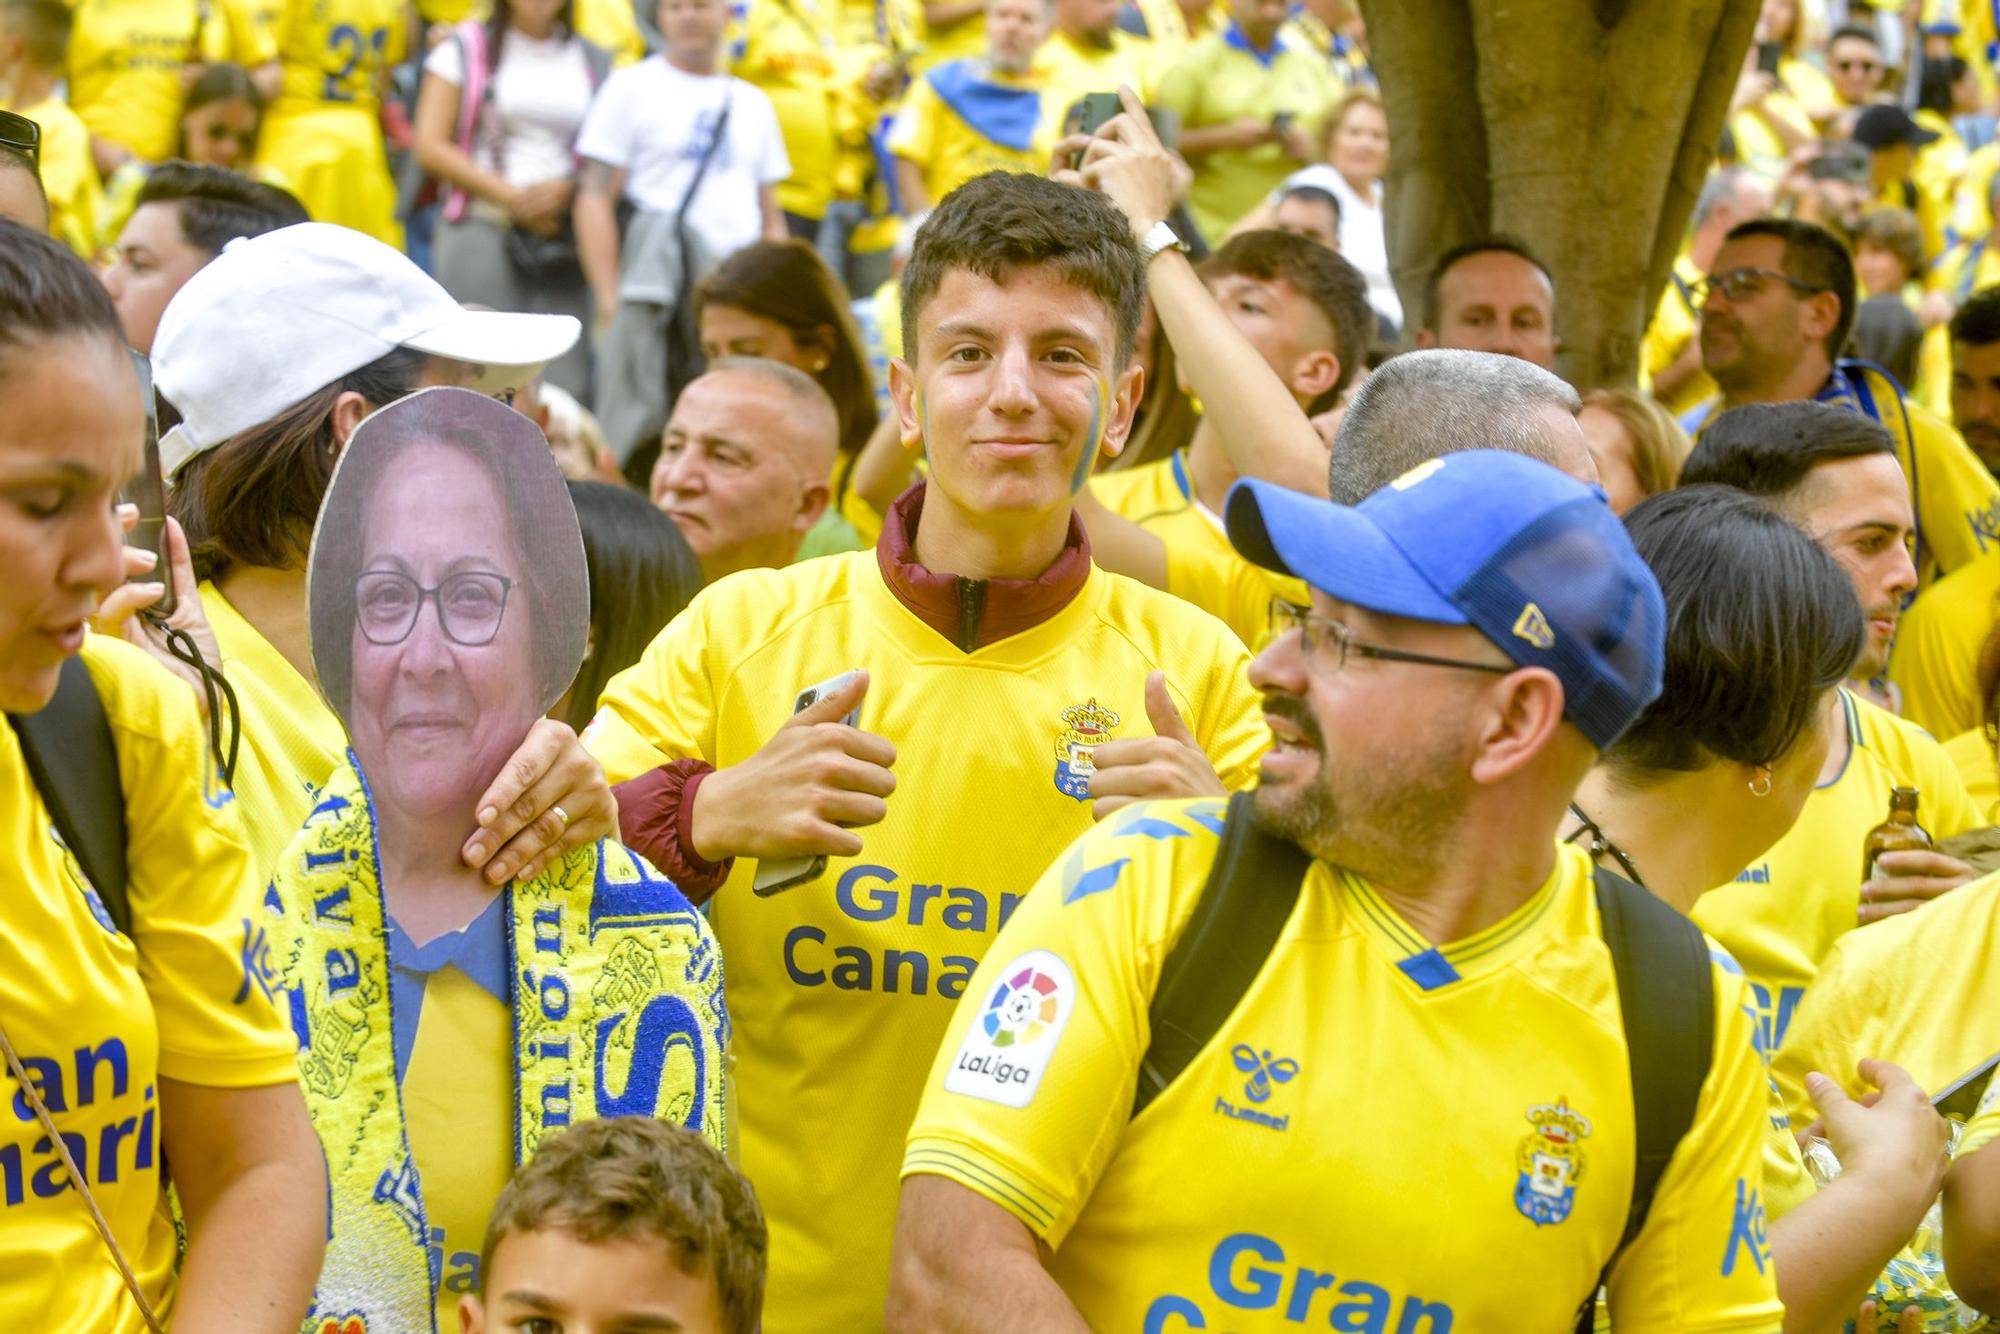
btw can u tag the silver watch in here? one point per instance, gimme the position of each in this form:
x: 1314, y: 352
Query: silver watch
x: 1159, y: 237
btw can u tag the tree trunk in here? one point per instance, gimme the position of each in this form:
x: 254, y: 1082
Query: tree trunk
x: 1582, y: 127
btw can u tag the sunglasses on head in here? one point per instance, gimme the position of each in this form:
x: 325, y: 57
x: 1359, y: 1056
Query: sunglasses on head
x: 22, y: 135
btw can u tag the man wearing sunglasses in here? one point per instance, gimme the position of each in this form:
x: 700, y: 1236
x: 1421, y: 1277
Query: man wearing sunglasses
x: 1854, y: 64
x: 1480, y: 629
x: 1776, y: 310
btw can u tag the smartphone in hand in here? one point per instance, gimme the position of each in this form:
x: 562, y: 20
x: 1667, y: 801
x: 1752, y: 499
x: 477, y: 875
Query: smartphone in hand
x: 775, y: 875
x: 148, y: 491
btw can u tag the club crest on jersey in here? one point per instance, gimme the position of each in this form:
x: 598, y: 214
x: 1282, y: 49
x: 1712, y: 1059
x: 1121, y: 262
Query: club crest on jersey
x: 1085, y: 727
x: 1550, y: 1159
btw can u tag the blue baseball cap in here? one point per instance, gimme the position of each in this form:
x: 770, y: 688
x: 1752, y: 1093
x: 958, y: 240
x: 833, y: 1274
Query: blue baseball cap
x: 1530, y: 557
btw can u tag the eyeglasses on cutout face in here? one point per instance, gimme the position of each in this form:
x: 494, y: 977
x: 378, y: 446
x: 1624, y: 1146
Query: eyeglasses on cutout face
x: 469, y: 604
x: 1329, y: 643
x: 1744, y: 284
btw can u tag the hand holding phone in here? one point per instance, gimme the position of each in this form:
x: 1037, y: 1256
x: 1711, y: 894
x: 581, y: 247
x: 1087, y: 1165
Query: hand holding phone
x: 148, y: 491
x: 818, y: 777
x: 1094, y: 112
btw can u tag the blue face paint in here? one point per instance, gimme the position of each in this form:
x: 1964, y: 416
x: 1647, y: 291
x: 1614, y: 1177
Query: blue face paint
x: 1088, y: 459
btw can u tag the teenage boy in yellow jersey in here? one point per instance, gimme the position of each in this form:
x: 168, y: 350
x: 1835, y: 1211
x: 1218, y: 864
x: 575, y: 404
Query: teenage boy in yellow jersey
x: 1671, y: 355
x: 1834, y: 474
x: 322, y: 134
x: 33, y: 36
x: 1776, y: 308
x: 1007, y: 683
x: 126, y: 68
x: 967, y: 117
x: 1305, y: 311
x: 1444, y: 952
x: 786, y: 49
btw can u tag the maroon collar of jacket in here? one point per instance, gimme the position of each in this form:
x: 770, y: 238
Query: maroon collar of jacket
x: 973, y: 613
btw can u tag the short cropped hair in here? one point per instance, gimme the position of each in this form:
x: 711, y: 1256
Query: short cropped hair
x: 1659, y: 445
x: 1860, y: 30
x: 46, y: 292
x: 43, y: 27
x: 217, y: 205
x: 1977, y: 322
x: 1506, y: 245
x: 1423, y: 405
x: 1001, y: 222
x: 1813, y: 256
x: 1761, y: 623
x: 1313, y: 194
x: 1322, y: 277
x: 627, y: 1177
x: 1769, y: 449
x: 1897, y: 231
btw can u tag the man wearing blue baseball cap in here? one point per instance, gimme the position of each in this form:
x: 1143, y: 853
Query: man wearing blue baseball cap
x: 1397, y: 1063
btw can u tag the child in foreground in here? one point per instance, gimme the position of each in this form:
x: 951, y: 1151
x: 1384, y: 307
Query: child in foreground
x: 620, y: 1224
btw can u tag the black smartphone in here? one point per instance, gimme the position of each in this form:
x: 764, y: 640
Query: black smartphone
x: 1958, y: 1100
x: 1283, y: 120
x: 148, y: 491
x: 1098, y: 109
x: 782, y: 873
x: 1768, y: 56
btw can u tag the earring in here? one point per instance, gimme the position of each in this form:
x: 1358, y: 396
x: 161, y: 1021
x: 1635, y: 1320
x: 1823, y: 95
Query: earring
x: 1760, y: 786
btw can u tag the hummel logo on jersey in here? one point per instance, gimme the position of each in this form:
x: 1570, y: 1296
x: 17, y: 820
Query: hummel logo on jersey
x: 1264, y: 1072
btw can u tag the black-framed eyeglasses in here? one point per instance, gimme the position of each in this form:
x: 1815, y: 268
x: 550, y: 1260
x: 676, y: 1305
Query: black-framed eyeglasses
x: 22, y: 135
x: 1745, y: 284
x: 1329, y: 643
x: 469, y: 606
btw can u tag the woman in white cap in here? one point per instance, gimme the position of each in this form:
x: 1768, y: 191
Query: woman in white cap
x: 270, y: 357
x: 135, y: 974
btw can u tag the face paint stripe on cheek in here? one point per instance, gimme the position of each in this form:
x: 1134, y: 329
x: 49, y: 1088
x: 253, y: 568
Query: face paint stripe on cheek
x: 1099, y: 392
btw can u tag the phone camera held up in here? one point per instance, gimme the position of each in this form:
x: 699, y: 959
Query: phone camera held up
x: 148, y: 491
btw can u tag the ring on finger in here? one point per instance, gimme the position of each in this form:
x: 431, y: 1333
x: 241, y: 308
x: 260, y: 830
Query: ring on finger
x: 562, y: 816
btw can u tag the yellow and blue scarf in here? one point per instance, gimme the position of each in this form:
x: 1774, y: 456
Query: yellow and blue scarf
x: 616, y: 988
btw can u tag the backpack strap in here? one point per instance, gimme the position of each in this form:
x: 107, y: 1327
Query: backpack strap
x: 74, y: 764
x: 1666, y: 1000
x: 1251, y: 888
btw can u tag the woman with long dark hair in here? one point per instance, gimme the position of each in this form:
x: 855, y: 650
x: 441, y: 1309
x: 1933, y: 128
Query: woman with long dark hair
x: 496, y: 122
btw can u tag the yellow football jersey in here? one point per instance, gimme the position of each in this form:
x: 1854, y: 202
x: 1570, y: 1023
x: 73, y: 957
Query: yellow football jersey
x: 1214, y: 81
x: 322, y: 134
x: 1202, y: 567
x: 928, y: 132
x: 291, y: 743
x: 1299, y: 1171
x: 69, y: 176
x: 1780, y: 917
x: 786, y: 48
x: 1972, y: 752
x: 1073, y: 69
x: 100, y: 1020
x: 1671, y: 330
x: 126, y: 56
x: 1918, y: 989
x: 1936, y: 659
x: 840, y: 988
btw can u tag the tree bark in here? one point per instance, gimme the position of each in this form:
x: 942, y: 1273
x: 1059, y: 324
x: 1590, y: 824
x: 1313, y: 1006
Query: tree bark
x: 1581, y: 127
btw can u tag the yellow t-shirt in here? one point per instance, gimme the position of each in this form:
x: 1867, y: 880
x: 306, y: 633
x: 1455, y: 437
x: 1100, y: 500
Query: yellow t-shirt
x: 785, y: 48
x: 611, y: 25
x: 100, y: 1020
x: 1072, y: 69
x: 1973, y: 754
x: 1260, y: 1187
x: 1970, y: 214
x: 1216, y: 80
x: 928, y: 132
x: 1964, y: 269
x: 322, y: 134
x: 68, y: 175
x: 1671, y: 330
x: 1918, y: 989
x: 125, y: 60
x: 961, y: 41
x: 1936, y: 659
x: 291, y: 742
x: 1780, y: 917
x: 1760, y: 148
x: 840, y: 988
x: 1202, y: 567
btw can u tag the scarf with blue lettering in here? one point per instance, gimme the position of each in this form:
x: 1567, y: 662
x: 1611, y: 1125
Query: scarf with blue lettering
x: 616, y: 988
x: 1004, y: 113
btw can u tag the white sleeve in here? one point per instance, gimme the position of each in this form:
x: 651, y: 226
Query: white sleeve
x: 447, y: 61
x: 606, y: 135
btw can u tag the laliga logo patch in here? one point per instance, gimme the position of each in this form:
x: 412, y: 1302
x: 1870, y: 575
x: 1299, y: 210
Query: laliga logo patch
x: 1532, y: 626
x: 1550, y: 1159
x: 1086, y: 726
x: 1008, y: 1047
x: 1416, y: 474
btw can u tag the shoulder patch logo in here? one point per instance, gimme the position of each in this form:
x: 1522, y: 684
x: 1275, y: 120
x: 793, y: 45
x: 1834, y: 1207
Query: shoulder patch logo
x: 1085, y: 727
x: 1550, y: 1159
x: 1007, y: 1049
x: 1532, y: 626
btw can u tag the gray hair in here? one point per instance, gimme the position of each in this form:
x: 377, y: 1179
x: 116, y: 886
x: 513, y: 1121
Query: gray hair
x: 1423, y: 405
x: 1717, y: 190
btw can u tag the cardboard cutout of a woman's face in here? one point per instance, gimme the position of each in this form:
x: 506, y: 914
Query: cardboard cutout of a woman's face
x: 447, y: 595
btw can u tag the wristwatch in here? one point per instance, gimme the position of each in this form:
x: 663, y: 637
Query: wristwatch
x: 1159, y: 237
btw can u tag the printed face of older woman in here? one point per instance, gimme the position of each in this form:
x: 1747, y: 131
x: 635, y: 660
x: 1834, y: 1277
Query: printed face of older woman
x: 444, y: 664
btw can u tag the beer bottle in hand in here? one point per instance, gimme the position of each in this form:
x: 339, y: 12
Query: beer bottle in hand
x: 1898, y: 833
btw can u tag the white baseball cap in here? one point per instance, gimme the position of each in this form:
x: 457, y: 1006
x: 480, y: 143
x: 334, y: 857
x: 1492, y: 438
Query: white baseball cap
x: 275, y: 317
